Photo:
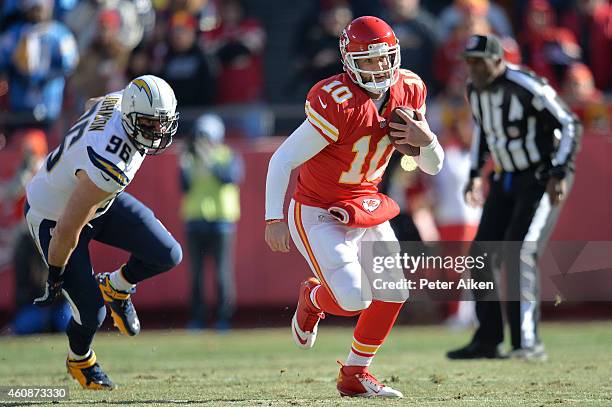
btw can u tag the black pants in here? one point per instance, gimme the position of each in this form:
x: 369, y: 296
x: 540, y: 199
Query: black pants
x: 518, y: 213
x: 217, y: 240
x: 128, y: 225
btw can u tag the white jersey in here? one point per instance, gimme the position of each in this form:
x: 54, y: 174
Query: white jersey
x: 96, y: 144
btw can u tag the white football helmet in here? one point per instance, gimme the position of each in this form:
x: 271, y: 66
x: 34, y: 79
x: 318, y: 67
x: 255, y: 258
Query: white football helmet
x: 149, y: 114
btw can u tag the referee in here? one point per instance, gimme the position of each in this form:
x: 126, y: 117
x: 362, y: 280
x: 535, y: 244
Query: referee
x: 533, y: 139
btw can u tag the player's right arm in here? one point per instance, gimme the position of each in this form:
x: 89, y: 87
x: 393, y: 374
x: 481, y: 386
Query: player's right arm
x: 80, y: 209
x: 303, y: 144
x: 323, y: 118
x: 85, y: 200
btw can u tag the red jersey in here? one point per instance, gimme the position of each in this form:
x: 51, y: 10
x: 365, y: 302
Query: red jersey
x: 359, y: 149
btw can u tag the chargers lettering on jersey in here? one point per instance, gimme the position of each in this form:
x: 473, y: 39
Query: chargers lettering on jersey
x: 104, y: 114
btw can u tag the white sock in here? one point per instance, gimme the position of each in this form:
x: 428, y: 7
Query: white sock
x: 356, y: 360
x: 119, y: 282
x: 361, y: 354
x: 74, y: 356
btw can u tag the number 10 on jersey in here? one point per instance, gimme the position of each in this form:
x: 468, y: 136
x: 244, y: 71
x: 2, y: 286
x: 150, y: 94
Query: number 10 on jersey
x: 357, y: 172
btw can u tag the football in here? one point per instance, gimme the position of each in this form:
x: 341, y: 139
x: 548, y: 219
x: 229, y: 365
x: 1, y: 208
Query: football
x: 405, y: 149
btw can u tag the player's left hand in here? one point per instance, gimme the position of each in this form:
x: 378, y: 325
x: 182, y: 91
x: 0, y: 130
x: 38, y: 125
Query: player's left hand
x: 414, y: 132
x: 53, y: 290
x: 556, y: 189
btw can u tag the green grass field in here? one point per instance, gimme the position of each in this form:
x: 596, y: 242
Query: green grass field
x: 262, y: 367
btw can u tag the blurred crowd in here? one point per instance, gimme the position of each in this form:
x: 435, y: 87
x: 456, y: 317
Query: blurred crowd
x: 567, y: 42
x: 55, y: 54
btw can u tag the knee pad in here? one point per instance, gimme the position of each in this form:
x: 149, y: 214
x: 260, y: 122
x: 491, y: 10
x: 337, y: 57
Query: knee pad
x: 350, y: 287
x: 175, y: 255
x: 351, y: 297
x: 351, y: 300
x: 168, y: 258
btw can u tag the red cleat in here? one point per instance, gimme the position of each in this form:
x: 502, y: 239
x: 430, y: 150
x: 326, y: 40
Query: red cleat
x: 357, y: 381
x: 306, y: 318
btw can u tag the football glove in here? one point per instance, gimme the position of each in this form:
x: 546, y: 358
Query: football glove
x: 53, y: 287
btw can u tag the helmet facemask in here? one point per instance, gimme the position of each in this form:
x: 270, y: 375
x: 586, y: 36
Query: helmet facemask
x: 366, y: 78
x: 144, y: 132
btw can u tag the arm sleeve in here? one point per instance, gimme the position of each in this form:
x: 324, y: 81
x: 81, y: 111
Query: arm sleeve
x: 431, y: 158
x: 554, y: 111
x: 303, y: 144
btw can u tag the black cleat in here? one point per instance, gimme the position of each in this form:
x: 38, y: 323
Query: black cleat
x: 122, y: 310
x: 89, y: 374
x: 475, y: 350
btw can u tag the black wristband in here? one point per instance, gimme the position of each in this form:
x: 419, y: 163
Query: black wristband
x: 557, y: 172
x: 56, y: 273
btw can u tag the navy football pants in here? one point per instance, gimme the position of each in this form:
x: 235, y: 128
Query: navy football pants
x: 127, y: 225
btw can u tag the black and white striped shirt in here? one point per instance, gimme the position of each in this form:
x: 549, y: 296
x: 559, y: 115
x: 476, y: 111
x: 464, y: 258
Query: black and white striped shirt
x: 522, y: 123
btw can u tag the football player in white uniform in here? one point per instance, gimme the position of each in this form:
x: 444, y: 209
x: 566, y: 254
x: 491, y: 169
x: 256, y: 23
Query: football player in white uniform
x: 77, y: 196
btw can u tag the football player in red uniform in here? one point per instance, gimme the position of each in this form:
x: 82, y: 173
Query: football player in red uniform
x: 343, y: 148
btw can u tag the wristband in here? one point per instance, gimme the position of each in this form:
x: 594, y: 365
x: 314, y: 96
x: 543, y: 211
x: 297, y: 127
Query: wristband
x: 272, y: 221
